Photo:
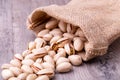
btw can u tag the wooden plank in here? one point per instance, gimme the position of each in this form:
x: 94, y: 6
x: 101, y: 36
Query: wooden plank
x: 14, y: 38
x: 6, y: 32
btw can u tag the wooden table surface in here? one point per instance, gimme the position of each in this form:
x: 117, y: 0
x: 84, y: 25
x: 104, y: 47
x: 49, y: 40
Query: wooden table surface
x: 14, y: 38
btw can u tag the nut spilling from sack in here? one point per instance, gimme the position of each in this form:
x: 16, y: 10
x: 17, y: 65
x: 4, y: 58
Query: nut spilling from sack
x: 57, y: 47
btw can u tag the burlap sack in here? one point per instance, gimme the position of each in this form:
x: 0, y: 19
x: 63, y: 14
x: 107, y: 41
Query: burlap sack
x: 98, y: 19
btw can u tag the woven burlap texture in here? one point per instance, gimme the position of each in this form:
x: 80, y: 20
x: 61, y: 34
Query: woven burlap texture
x: 98, y: 19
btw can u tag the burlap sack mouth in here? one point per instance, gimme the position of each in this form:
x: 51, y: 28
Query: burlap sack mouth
x: 96, y: 29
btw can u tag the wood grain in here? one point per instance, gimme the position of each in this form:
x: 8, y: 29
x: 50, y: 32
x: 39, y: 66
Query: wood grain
x: 14, y: 38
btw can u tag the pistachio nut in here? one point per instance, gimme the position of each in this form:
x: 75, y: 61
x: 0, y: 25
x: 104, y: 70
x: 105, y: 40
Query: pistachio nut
x: 15, y: 62
x: 69, y: 35
x: 56, y: 32
x: 36, y: 67
x: 6, y: 74
x: 48, y: 59
x: 27, y: 62
x: 47, y: 65
x: 61, y: 60
x: 6, y: 66
x: 32, y: 45
x: 15, y: 70
x: 22, y: 76
x: 78, y: 44
x: 51, y: 24
x: 75, y: 60
x: 69, y: 49
x: 52, y: 53
x: 62, y: 25
x: 49, y: 72
x: 26, y: 52
x: 64, y: 67
x: 26, y: 69
x: 18, y: 56
x: 43, y: 32
x: 55, y: 39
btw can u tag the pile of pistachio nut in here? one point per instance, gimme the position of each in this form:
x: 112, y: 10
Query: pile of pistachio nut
x: 57, y: 47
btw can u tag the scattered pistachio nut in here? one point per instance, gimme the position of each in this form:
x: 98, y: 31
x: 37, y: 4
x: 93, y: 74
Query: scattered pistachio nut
x: 6, y: 74
x: 75, y: 60
x: 64, y: 67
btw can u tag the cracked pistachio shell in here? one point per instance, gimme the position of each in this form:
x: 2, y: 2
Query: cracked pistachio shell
x: 26, y: 69
x: 38, y: 53
x: 27, y: 62
x: 22, y: 76
x: 39, y: 60
x: 49, y: 72
x: 47, y: 47
x: 31, y: 77
x: 75, y: 60
x: 18, y: 56
x: 15, y: 70
x: 6, y: 66
x: 69, y: 49
x: 6, y: 73
x: 62, y: 25
x: 64, y: 67
x: 36, y: 67
x: 43, y: 77
x: 78, y: 44
x: 61, y: 60
x: 55, y: 39
x: 40, y: 43
x: 51, y: 24
x: 15, y: 63
x: 31, y: 45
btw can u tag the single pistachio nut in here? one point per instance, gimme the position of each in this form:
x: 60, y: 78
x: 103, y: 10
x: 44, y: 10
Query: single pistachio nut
x: 51, y: 24
x: 36, y: 67
x: 26, y: 69
x: 43, y: 77
x: 6, y: 74
x: 41, y: 52
x: 69, y: 49
x: 26, y: 52
x: 27, y: 62
x: 15, y: 70
x: 47, y: 37
x: 52, y: 53
x: 32, y: 45
x: 56, y: 32
x: 18, y: 56
x: 69, y: 35
x: 22, y: 76
x: 75, y: 60
x: 64, y: 67
x: 62, y: 25
x: 47, y: 65
x: 43, y: 32
x: 40, y: 43
x: 61, y: 60
x: 48, y: 59
x: 55, y: 39
x: 15, y: 62
x: 78, y: 44
x: 31, y: 77
x: 49, y: 72
x: 6, y: 66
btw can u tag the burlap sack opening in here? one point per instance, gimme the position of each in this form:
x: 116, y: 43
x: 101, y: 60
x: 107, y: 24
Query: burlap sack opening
x: 97, y: 19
